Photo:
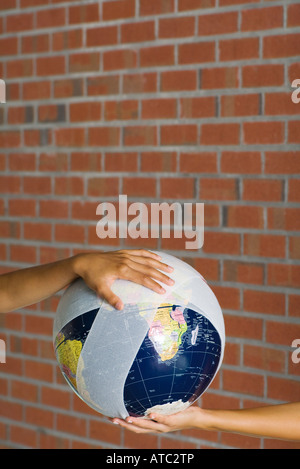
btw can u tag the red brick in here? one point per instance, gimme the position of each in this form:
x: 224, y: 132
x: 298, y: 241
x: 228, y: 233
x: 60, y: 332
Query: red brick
x: 282, y: 333
x: 84, y: 13
x: 264, y: 302
x: 70, y: 424
x: 38, y: 231
x: 218, y: 189
x: 239, y: 49
x: 86, y: 161
x: 265, y: 245
x: 196, y: 53
x: 263, y: 75
x: 119, y: 59
x: 67, y: 88
x: 294, y: 247
x: 294, y: 305
x: 121, y: 110
x: 140, y: 135
x: 244, y: 105
x: 241, y: 162
x: 10, y: 184
x: 103, y: 187
x: 229, y: 297
x: 221, y: 77
x: 90, y: 111
x: 9, y: 46
x: 103, y: 36
x: 269, y: 359
x: 53, y: 161
x: 244, y: 327
x: 244, y: 272
x: 138, y: 32
x: 263, y: 18
x: 84, y: 62
x: 139, y: 187
x: 35, y: 44
x: 62, y: 40
x: 140, y: 83
x: 19, y: 22
x: 294, y: 190
x: 37, y: 185
x: 22, y: 207
x: 281, y: 46
x: 120, y: 9
x: 157, y: 56
x: 286, y: 390
x: 50, y: 66
x: 240, y: 216
x: 284, y: 275
x: 242, y: 382
x: 105, y: 432
x: 179, y: 188
x: 159, y: 109
x: 294, y: 132
x: 23, y: 436
x: 204, y: 162
x: 54, y: 209
x: 19, y: 68
x: 263, y: 132
x: 196, y: 108
x: 158, y: 161
x: 222, y: 243
x: 8, y: 4
x: 70, y: 137
x: 176, y: 27
x: 179, y: 80
x: 221, y: 23
x: 282, y: 162
x: 220, y: 134
x: 50, y: 18
x: 280, y: 104
x: 156, y: 7
x: 293, y: 15
x: 104, y: 136
x: 179, y: 134
x: 69, y: 234
x: 284, y: 218
x: 263, y: 189
x: 23, y: 254
x: 36, y: 90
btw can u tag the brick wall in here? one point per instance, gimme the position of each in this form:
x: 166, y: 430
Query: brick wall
x: 170, y: 100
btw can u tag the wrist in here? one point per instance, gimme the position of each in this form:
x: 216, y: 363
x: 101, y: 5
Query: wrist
x: 78, y: 265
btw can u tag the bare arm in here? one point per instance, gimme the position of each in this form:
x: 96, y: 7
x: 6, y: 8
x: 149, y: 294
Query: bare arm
x: 99, y: 270
x: 278, y: 421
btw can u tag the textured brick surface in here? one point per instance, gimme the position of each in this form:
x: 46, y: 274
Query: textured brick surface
x: 163, y: 100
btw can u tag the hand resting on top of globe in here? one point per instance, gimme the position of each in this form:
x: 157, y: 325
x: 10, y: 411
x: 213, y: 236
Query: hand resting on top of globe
x: 99, y: 271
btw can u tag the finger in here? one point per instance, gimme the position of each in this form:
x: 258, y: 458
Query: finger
x: 147, y: 424
x: 150, y: 271
x: 142, y: 252
x: 154, y: 263
x: 107, y: 294
x: 142, y: 279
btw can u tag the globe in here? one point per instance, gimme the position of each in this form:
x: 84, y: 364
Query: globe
x: 158, y: 354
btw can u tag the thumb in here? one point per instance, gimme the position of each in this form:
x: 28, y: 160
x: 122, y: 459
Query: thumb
x: 106, y: 293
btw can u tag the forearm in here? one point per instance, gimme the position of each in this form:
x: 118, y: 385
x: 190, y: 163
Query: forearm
x: 281, y: 421
x: 37, y: 283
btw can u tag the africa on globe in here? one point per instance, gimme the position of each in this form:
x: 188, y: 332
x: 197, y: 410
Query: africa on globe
x: 158, y: 354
